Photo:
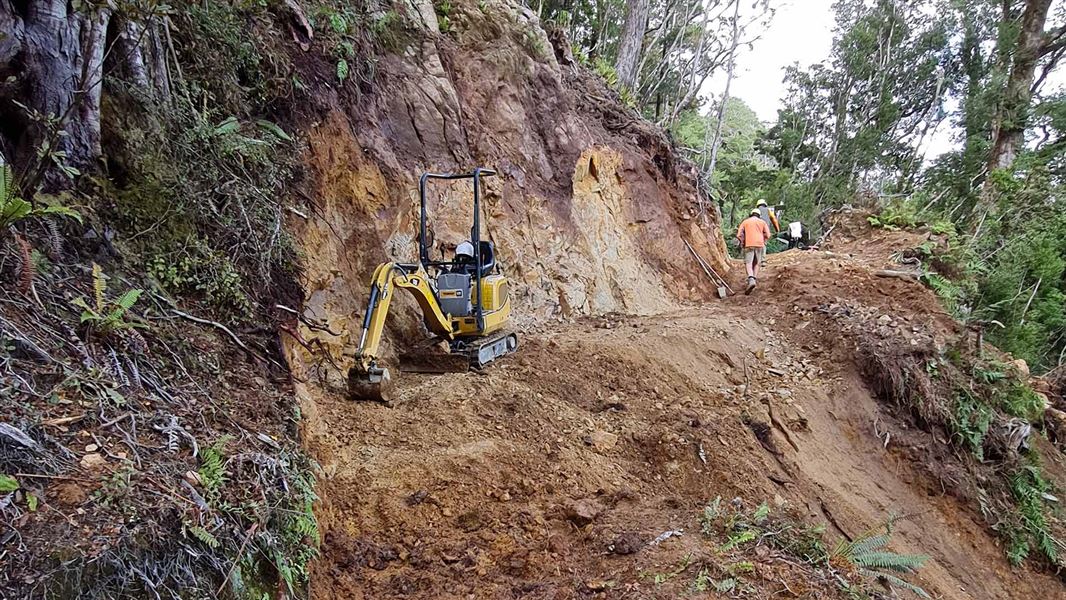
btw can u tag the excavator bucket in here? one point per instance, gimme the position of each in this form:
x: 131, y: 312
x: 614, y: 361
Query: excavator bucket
x: 373, y: 385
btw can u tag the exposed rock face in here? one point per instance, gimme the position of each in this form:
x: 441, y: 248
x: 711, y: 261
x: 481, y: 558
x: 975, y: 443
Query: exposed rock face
x: 588, y: 213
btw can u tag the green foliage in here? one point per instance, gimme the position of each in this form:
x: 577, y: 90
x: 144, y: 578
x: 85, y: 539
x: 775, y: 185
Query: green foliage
x: 212, y: 467
x: 1028, y: 526
x: 970, y: 421
x: 342, y: 70
x: 444, y: 10
x: 896, y: 215
x: 784, y: 534
x: 205, y: 536
x: 108, y: 316
x: 300, y: 536
x: 1019, y: 400
x: 534, y: 45
x: 8, y: 484
x: 114, y: 487
x: 14, y: 209
x: 199, y: 270
x: 869, y: 555
x: 606, y: 72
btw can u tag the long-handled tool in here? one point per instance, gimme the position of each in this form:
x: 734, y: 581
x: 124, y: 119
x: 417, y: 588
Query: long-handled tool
x: 716, y: 279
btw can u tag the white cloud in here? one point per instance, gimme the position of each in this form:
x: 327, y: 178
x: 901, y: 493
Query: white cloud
x: 801, y: 31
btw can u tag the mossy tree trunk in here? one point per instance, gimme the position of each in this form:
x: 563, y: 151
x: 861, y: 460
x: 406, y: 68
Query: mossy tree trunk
x: 56, y: 55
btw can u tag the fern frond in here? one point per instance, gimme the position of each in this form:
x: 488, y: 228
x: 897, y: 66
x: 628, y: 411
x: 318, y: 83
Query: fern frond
x: 212, y: 470
x: 901, y: 563
x: 128, y: 299
x: 869, y: 544
x: 7, y: 182
x: 99, y: 287
x: 204, y: 536
x: 896, y: 582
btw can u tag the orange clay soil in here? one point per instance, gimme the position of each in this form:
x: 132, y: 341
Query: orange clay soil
x: 549, y: 474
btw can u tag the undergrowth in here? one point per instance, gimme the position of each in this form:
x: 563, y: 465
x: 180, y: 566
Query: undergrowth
x: 853, y: 565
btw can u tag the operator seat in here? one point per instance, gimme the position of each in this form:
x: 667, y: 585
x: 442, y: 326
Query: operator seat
x: 464, y: 263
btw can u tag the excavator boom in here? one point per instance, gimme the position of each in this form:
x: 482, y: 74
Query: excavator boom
x: 367, y: 379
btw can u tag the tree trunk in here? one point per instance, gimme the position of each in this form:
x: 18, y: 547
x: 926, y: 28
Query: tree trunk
x: 631, y: 42
x: 1008, y: 129
x: 63, y: 54
x: 730, y: 68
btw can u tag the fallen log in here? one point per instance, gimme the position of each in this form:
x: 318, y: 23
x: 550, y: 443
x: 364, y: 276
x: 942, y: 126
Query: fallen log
x: 911, y: 275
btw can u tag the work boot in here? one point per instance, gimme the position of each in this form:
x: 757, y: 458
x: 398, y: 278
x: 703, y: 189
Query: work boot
x: 751, y: 285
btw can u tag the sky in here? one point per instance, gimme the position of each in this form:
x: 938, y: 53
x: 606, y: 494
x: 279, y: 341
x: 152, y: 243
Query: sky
x: 801, y: 31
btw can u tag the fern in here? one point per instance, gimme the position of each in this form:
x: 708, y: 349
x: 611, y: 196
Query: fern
x: 869, y: 544
x: 204, y: 536
x: 901, y: 563
x: 738, y: 539
x: 869, y: 557
x: 103, y: 316
x: 896, y: 582
x: 99, y: 287
x: 212, y: 468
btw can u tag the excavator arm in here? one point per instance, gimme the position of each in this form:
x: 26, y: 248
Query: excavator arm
x: 367, y: 379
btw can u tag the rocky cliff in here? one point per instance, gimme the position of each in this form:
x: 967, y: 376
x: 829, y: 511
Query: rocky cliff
x: 591, y: 205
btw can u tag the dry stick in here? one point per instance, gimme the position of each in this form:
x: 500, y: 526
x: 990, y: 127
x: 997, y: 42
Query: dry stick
x: 700, y: 263
x: 237, y: 559
x: 1036, y: 288
x: 215, y: 324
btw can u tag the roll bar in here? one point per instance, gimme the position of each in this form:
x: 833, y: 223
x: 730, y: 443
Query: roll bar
x: 475, y: 230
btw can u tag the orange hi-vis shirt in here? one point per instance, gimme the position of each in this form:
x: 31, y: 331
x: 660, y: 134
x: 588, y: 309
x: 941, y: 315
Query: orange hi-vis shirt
x: 753, y: 232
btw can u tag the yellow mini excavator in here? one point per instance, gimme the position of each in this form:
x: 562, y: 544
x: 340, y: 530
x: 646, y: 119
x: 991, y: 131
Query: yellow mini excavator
x: 464, y: 301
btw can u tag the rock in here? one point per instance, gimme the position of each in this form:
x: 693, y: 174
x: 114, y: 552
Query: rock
x: 92, y: 461
x: 1045, y: 402
x: 884, y: 320
x: 602, y: 440
x: 193, y: 478
x: 582, y: 512
x: 92, y: 448
x: 628, y: 543
x: 598, y: 585
x: 1021, y: 367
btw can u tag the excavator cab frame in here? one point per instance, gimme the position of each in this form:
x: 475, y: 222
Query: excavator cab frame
x: 475, y: 232
x: 466, y: 304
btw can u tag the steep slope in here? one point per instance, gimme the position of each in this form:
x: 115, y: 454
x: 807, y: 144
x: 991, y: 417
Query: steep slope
x: 551, y: 475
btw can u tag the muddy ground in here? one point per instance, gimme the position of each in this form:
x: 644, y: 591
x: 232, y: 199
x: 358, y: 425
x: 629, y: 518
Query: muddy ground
x: 550, y: 474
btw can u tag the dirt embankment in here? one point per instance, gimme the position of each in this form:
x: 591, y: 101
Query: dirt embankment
x: 551, y: 474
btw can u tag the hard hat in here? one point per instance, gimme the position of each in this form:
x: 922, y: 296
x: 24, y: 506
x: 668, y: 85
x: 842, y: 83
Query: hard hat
x: 465, y: 249
x: 761, y: 202
x: 755, y: 212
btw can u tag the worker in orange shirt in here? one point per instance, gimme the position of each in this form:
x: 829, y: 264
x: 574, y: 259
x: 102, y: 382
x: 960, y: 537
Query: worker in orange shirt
x: 753, y: 234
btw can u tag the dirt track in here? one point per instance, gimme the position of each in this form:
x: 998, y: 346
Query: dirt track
x: 469, y: 488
